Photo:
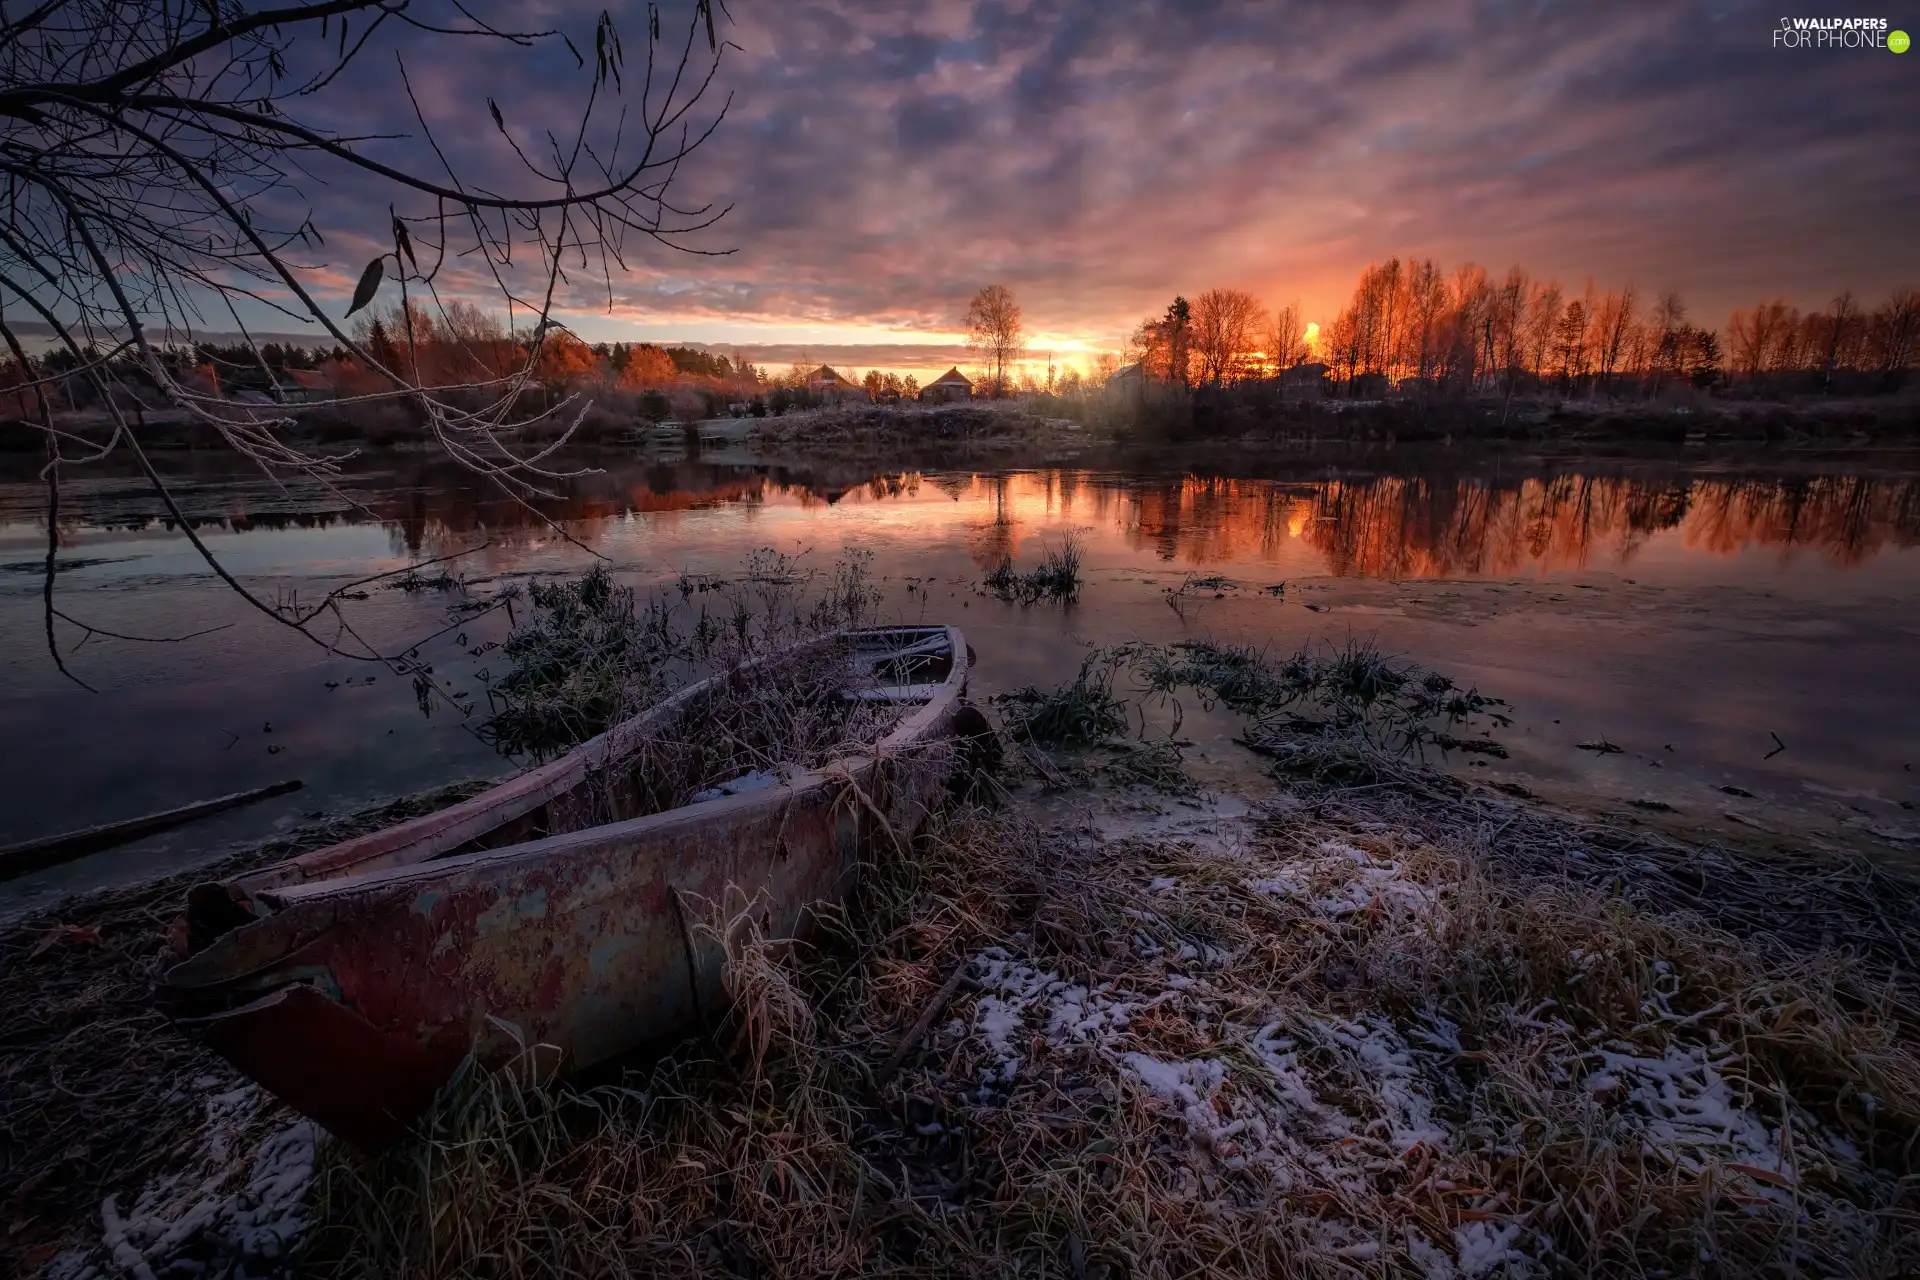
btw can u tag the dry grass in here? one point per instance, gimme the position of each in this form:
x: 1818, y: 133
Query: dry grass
x: 96, y: 1091
x: 1338, y: 1042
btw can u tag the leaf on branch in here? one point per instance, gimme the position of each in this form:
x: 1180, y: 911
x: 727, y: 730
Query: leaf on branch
x: 606, y: 48
x: 343, y: 36
x: 402, y: 243
x: 498, y: 123
x: 706, y: 7
x: 578, y: 61
x: 369, y: 283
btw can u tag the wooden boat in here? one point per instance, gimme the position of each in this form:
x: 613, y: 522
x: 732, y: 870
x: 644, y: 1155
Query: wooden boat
x: 554, y: 909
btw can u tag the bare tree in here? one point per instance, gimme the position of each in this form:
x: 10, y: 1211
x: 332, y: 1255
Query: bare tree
x: 1543, y: 322
x: 155, y: 154
x: 1509, y: 328
x: 1839, y: 334
x: 1755, y: 337
x: 1894, y: 333
x: 994, y: 330
x: 1226, y: 325
x: 1426, y: 304
x: 1573, y: 340
x: 1670, y: 331
x: 1615, y: 323
x: 1287, y: 338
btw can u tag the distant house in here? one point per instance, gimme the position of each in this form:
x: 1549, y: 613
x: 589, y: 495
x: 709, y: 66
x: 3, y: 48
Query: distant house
x: 303, y: 386
x: 202, y: 381
x: 947, y: 388
x: 1126, y: 377
x: 825, y: 384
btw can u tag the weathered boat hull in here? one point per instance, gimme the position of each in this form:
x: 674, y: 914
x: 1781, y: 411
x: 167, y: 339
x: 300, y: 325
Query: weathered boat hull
x: 355, y: 997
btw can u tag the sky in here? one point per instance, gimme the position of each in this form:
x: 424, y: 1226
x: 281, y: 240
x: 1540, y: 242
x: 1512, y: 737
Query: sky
x: 881, y: 161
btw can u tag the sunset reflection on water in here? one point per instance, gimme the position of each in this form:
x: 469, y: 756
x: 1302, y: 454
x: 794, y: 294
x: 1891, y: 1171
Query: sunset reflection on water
x: 1379, y: 526
x: 1386, y: 526
x: 1687, y: 612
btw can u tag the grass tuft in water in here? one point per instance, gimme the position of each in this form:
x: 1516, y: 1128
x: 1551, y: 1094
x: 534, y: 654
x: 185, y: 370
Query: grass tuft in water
x: 592, y: 652
x: 1056, y: 578
x: 1079, y: 713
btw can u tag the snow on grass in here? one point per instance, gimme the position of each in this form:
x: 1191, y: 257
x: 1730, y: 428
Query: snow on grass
x: 1065, y: 1012
x: 1341, y: 880
x: 1683, y: 1107
x: 1338, y: 1083
x: 238, y: 1204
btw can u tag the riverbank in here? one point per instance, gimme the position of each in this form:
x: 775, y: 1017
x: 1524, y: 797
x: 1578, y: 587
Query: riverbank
x: 1039, y: 426
x: 992, y: 432
x: 1406, y: 1025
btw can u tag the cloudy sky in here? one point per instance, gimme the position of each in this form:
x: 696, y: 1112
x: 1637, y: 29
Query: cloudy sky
x: 883, y: 160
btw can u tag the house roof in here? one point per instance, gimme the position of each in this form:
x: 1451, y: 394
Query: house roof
x: 825, y: 373
x: 953, y: 378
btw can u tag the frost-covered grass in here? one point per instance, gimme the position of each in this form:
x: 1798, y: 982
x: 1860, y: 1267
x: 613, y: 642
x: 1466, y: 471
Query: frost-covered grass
x: 234, y: 1204
x: 1341, y: 1043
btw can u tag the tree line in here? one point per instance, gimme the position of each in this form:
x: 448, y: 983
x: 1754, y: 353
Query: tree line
x: 1409, y: 325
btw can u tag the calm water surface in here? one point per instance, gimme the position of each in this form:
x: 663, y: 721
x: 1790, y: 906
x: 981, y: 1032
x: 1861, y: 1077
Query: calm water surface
x: 1688, y: 613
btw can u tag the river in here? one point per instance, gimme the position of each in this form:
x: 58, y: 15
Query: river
x: 1745, y: 623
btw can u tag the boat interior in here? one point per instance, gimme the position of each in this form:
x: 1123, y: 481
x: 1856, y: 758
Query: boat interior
x: 749, y: 727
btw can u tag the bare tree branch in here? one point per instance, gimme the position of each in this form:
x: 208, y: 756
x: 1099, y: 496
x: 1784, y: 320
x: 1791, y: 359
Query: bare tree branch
x: 152, y: 154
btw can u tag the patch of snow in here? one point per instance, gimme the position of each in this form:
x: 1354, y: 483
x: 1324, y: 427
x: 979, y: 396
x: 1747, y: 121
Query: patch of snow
x: 1686, y: 1110
x: 1384, y: 1062
x: 1480, y: 1247
x: 239, y: 1202
x: 1434, y: 1263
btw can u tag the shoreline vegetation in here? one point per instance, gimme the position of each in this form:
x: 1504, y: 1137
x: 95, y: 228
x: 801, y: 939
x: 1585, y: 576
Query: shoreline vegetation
x: 1046, y: 426
x: 1380, y: 1021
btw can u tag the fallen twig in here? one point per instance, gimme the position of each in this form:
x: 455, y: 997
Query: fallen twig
x: 919, y: 1029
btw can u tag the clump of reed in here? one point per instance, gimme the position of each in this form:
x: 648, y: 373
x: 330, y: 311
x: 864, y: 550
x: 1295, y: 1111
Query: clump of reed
x: 1081, y: 712
x: 1057, y: 577
x: 787, y: 714
x: 1353, y: 695
x: 1159, y: 766
x: 586, y: 653
x: 591, y: 651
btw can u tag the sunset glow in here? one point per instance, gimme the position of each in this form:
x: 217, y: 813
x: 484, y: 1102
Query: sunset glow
x: 1098, y: 165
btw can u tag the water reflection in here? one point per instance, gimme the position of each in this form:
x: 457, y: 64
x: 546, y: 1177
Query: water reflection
x: 1377, y: 525
x: 1664, y: 664
x: 1400, y: 527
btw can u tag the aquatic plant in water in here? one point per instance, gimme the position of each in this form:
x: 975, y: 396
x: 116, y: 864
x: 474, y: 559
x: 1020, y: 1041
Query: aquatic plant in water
x: 592, y: 651
x: 1056, y: 578
x: 1079, y: 713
